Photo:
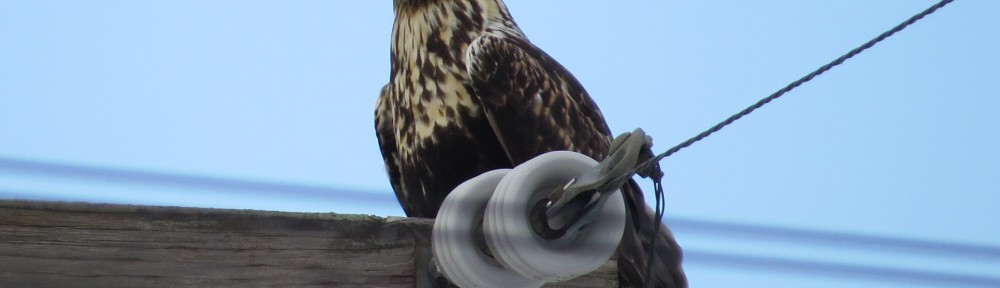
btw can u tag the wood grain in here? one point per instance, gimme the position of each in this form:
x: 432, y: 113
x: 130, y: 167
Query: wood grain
x: 54, y: 244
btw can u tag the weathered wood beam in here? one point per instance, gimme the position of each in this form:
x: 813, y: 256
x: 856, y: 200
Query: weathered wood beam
x: 54, y: 244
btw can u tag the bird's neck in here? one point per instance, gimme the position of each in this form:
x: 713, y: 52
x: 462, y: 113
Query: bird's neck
x: 440, y: 31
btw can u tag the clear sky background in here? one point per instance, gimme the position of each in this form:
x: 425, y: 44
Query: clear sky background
x: 871, y: 165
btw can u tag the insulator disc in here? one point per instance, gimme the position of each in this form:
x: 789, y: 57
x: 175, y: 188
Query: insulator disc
x: 513, y: 242
x: 454, y: 238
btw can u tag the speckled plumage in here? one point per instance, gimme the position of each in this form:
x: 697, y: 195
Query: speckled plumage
x: 468, y: 93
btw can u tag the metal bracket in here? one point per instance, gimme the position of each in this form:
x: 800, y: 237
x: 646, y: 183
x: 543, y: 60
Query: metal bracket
x: 572, y: 206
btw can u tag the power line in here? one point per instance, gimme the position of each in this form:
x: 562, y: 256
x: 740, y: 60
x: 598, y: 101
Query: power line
x: 796, y: 83
x: 654, y: 165
x: 841, y: 239
x: 185, y: 180
x: 852, y: 271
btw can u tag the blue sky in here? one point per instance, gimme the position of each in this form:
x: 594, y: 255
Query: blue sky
x: 898, y: 142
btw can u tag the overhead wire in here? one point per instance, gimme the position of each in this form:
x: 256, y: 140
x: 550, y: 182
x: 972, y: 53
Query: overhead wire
x: 658, y: 187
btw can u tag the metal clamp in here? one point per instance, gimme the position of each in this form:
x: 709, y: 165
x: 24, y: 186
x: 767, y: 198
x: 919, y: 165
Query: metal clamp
x: 572, y: 206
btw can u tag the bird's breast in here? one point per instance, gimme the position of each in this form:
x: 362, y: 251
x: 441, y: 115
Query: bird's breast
x: 432, y: 106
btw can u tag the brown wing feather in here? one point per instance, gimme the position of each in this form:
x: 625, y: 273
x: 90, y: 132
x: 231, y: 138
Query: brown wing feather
x: 535, y: 105
x: 384, y: 118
